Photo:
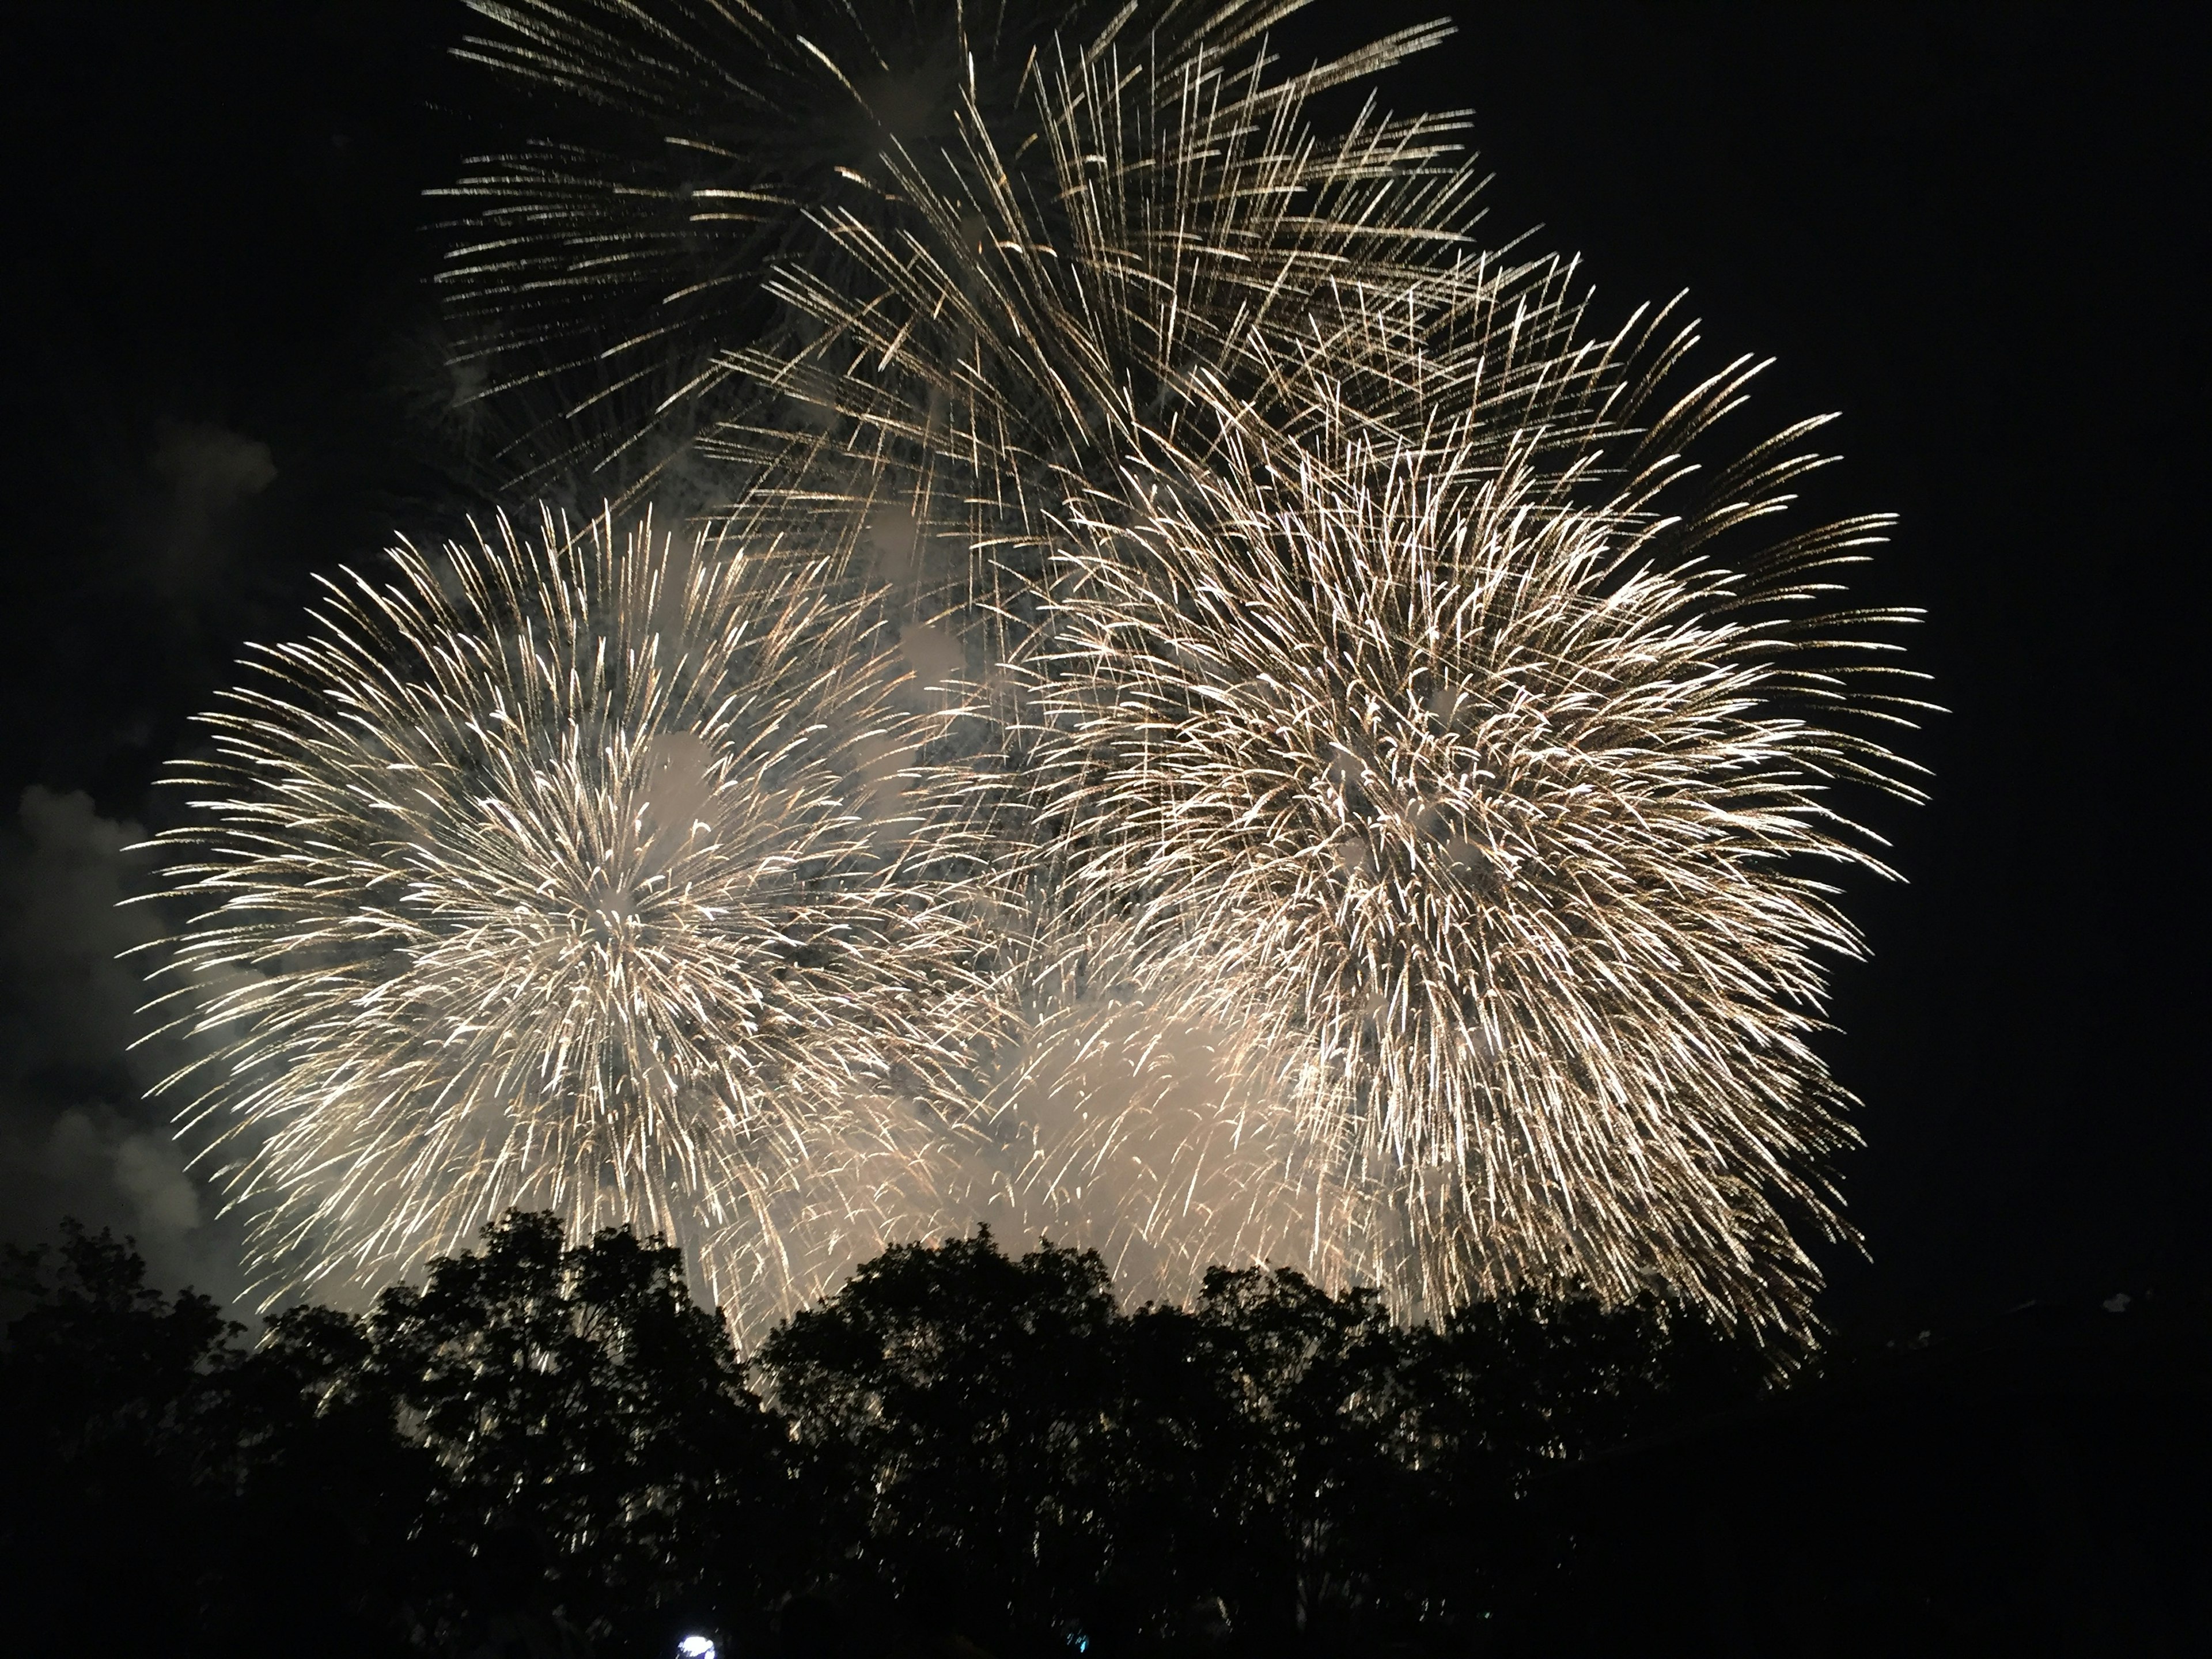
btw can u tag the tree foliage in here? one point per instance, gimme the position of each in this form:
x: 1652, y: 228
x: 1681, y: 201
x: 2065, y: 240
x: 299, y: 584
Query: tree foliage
x: 548, y: 1448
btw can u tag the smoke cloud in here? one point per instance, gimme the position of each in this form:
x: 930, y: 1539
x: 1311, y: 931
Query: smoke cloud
x: 77, y: 1136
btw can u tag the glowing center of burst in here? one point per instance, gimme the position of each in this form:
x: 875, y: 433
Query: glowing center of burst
x: 1415, y: 821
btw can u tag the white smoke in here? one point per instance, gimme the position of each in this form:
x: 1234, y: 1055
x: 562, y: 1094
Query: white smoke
x: 76, y: 1137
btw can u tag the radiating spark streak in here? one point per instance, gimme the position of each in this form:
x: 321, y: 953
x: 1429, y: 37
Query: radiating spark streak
x: 1384, y: 822
x: 1486, y: 819
x: 585, y: 871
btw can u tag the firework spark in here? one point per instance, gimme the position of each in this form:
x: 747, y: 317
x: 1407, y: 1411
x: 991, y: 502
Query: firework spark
x: 581, y: 872
x: 1492, y: 820
x: 1416, y: 777
x: 604, y: 279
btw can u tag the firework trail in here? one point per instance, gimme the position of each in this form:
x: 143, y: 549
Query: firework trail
x: 585, y: 872
x: 603, y: 279
x: 1412, y: 771
x: 1492, y: 823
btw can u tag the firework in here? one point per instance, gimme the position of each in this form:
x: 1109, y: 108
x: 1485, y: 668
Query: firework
x: 584, y: 873
x: 1415, y: 776
x: 605, y: 277
x: 1493, y: 820
x: 1154, y: 257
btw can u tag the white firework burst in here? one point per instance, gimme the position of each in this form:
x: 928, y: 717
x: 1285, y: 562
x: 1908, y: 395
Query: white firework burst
x: 1420, y: 791
x: 1493, y: 820
x: 608, y: 275
x: 587, y: 872
x: 1380, y: 734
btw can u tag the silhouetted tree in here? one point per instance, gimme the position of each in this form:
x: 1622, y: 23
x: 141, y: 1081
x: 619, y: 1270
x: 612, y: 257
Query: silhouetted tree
x: 325, y: 1546
x: 104, y: 1388
x: 601, y: 1469
x: 543, y: 1449
x: 960, y: 1412
x: 1003, y: 1454
x: 548, y: 1448
x: 1266, y: 1409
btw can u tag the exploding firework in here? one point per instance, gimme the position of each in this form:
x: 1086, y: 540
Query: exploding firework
x: 605, y: 279
x: 1490, y: 822
x: 1155, y: 257
x: 587, y: 873
x: 1417, y: 786
x: 1436, y: 773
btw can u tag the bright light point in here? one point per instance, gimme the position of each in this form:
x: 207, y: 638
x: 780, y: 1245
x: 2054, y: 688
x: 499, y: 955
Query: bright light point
x: 696, y: 1647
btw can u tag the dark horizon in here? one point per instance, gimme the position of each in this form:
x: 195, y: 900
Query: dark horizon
x: 1964, y: 228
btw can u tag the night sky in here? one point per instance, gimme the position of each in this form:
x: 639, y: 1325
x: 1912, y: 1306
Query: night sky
x: 1979, y: 232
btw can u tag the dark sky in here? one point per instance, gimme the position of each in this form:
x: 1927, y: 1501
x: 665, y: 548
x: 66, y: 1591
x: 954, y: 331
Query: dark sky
x: 1977, y: 231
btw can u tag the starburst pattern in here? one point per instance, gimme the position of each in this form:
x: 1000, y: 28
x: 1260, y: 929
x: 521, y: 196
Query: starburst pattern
x: 1385, y: 805
x: 1492, y: 820
x: 584, y: 873
x: 1377, y: 708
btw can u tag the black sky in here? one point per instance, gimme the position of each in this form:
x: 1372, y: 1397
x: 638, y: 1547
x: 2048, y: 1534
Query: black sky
x: 1977, y: 231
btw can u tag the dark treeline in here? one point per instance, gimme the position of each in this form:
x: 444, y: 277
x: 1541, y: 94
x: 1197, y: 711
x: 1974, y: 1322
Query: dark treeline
x: 549, y: 1449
